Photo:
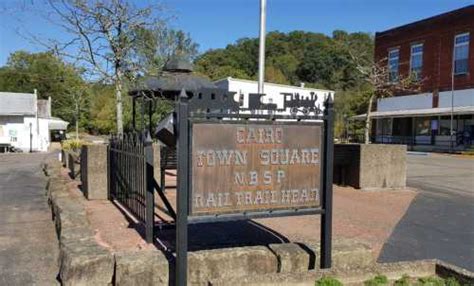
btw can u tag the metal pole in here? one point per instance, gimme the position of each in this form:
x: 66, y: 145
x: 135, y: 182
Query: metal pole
x: 142, y: 127
x: 182, y: 192
x: 326, y: 217
x: 261, y: 51
x: 31, y: 138
x: 452, y: 100
x: 150, y: 198
x: 150, y: 115
x: 134, y: 123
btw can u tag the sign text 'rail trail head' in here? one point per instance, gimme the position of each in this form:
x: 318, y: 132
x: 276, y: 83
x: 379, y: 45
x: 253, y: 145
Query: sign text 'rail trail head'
x: 254, y: 167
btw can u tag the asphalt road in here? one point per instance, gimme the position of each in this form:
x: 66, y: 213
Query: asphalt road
x: 28, y: 244
x: 440, y: 221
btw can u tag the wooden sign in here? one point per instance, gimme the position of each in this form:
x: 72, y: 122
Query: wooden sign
x: 238, y: 167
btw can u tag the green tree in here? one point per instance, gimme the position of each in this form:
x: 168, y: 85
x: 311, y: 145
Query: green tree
x: 318, y: 60
x: 47, y: 73
x: 156, y: 46
x: 101, y: 36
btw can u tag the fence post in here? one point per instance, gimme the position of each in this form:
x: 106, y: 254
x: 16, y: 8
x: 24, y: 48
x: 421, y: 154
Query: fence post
x: 182, y: 191
x: 150, y: 198
x: 326, y: 218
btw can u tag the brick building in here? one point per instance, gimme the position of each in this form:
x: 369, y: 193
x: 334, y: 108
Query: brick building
x: 438, y: 51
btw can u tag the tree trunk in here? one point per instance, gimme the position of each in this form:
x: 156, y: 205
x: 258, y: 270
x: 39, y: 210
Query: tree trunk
x: 77, y: 120
x: 368, y: 121
x: 118, y: 99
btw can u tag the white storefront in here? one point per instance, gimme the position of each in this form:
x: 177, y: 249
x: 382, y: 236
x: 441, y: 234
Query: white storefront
x: 422, y: 119
x: 25, y: 122
x: 274, y: 93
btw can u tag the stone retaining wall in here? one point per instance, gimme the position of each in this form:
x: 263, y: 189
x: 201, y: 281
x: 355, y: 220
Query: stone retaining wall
x: 356, y: 276
x: 83, y: 261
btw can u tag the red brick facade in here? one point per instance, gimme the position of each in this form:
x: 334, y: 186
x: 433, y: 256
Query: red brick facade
x: 437, y: 35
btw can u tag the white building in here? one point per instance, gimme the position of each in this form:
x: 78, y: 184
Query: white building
x: 26, y: 122
x: 274, y: 93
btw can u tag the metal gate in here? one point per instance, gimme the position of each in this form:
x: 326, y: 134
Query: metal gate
x: 131, y: 182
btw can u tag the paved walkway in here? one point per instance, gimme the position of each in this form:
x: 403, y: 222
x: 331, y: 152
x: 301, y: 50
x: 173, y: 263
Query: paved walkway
x: 440, y: 221
x: 28, y: 244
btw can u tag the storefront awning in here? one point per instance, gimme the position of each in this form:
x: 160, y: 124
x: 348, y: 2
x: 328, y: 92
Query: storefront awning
x: 55, y: 123
x: 419, y: 112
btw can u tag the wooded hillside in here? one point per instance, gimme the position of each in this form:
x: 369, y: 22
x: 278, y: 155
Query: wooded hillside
x: 316, y: 59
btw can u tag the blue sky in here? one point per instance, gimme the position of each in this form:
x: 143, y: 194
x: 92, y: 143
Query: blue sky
x: 216, y: 23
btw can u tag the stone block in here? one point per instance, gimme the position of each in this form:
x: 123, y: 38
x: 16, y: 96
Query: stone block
x: 346, y: 254
x: 52, y: 166
x: 85, y: 263
x: 206, y: 265
x: 73, y: 165
x: 67, y: 214
x: 383, y: 166
x: 141, y: 268
x: 76, y: 234
x: 64, y: 157
x: 291, y: 257
x: 94, y: 161
x: 56, y: 184
x: 370, y: 166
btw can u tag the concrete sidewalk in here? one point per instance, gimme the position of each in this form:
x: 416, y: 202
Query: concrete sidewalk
x: 28, y: 244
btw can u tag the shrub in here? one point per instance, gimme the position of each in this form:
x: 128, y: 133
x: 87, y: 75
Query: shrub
x: 72, y: 144
x: 451, y: 281
x: 377, y: 281
x: 328, y: 281
x: 430, y: 281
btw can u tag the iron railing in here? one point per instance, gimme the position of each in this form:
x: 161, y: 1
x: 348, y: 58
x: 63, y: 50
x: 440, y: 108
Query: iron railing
x: 131, y: 181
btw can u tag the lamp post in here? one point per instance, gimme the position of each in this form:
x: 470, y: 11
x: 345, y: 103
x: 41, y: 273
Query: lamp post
x: 31, y: 138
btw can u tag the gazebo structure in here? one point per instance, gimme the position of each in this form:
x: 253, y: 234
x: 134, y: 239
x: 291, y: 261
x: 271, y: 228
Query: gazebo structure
x: 177, y: 75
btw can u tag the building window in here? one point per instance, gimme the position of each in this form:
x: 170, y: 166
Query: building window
x: 416, y: 61
x: 445, y: 126
x: 384, y: 126
x: 423, y: 126
x: 461, y: 53
x: 393, y: 62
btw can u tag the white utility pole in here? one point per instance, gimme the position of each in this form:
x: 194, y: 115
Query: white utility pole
x: 261, y: 51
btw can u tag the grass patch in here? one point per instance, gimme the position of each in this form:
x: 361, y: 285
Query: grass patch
x: 328, y: 281
x: 437, y: 281
x: 378, y: 280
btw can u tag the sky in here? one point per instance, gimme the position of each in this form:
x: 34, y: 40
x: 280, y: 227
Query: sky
x: 217, y: 23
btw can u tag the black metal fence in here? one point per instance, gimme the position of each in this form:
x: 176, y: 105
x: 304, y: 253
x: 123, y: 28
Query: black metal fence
x: 131, y: 181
